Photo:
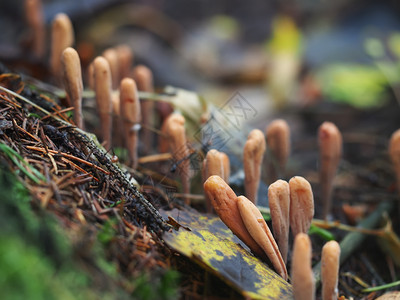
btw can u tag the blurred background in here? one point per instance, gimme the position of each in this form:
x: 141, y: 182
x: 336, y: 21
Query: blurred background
x: 304, y: 61
x: 272, y: 52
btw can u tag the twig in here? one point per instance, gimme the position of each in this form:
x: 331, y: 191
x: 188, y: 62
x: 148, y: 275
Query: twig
x: 69, y: 156
x: 78, y: 168
x: 381, y: 287
x: 26, y: 132
x: 334, y: 224
x: 191, y: 196
x: 154, y: 158
x: 19, y: 161
x: 105, y: 160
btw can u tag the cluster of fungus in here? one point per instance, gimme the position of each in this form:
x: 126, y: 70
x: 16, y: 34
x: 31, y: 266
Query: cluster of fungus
x: 291, y: 206
x: 110, y: 76
x: 291, y: 203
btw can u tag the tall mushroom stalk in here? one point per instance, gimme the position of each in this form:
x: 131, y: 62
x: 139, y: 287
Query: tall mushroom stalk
x: 73, y: 82
x: 279, y: 204
x: 226, y: 165
x: 303, y: 281
x: 330, y: 270
x: 224, y: 201
x: 259, y: 230
x: 394, y: 153
x: 111, y: 56
x: 103, y: 90
x: 253, y: 153
x: 131, y: 117
x: 214, y: 164
x: 330, y: 144
x: 144, y: 79
x: 278, y: 142
x: 125, y: 59
x: 301, y: 205
x: 62, y: 36
x: 245, y: 221
x: 175, y: 131
x: 34, y: 18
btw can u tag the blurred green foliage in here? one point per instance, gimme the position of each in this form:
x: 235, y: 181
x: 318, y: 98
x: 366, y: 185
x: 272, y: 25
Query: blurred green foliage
x: 164, y: 287
x: 365, y: 85
x: 359, y: 85
x: 107, y: 232
x: 286, y: 37
x: 34, y: 256
x: 38, y: 260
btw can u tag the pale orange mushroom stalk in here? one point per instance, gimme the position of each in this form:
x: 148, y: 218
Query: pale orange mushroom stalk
x: 111, y: 56
x: 224, y: 201
x: 116, y: 105
x: 144, y: 79
x: 35, y: 20
x: 62, y: 37
x: 259, y: 230
x: 90, y: 76
x: 226, y: 166
x: 213, y: 164
x: 301, y: 205
x: 131, y: 117
x: 125, y: 60
x: 253, y: 153
x: 394, y: 153
x: 278, y: 142
x: 163, y: 138
x: 279, y: 204
x: 330, y: 144
x: 303, y: 281
x: 103, y: 90
x: 330, y: 270
x: 175, y: 132
x: 73, y: 82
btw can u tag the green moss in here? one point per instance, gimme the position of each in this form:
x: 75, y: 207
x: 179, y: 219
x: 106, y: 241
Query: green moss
x: 39, y: 261
x: 164, y: 287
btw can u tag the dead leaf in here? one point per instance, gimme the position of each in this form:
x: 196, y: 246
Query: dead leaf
x: 213, y: 246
